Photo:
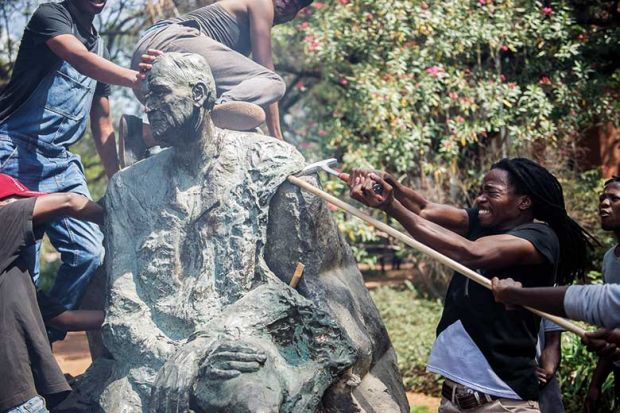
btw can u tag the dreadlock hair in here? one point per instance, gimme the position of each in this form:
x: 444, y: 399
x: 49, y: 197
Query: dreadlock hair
x: 531, y: 179
x: 615, y: 178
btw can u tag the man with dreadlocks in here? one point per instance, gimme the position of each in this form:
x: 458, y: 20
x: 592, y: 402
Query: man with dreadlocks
x: 518, y: 228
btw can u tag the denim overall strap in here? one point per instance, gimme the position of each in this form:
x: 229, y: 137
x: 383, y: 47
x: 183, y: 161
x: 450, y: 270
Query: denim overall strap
x: 55, y: 115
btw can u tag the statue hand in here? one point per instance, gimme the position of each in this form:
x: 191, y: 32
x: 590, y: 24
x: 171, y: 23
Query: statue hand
x: 231, y: 358
x: 174, y: 381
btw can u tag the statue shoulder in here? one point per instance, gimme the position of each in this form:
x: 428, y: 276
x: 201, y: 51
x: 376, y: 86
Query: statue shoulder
x: 140, y: 179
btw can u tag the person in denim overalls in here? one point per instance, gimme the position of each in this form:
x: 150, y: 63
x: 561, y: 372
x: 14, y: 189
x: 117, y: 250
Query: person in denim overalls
x: 34, y: 142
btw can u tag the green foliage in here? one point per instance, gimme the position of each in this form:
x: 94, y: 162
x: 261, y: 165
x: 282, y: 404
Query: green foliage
x: 409, y: 84
x: 411, y: 323
x: 576, y: 370
x: 435, y: 91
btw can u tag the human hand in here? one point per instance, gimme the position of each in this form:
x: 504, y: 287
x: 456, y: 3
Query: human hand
x: 369, y: 188
x: 603, y: 342
x: 146, y: 64
x: 543, y: 376
x: 503, y: 289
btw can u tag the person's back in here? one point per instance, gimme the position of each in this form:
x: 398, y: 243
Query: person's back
x: 225, y: 22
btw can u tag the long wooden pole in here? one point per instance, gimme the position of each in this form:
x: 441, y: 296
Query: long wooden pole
x: 456, y: 266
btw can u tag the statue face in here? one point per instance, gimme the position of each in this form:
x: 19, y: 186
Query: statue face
x: 170, y: 107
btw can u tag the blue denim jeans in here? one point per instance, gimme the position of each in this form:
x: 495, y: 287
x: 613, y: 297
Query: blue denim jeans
x: 78, y: 242
x: 34, y: 405
x: 33, y: 148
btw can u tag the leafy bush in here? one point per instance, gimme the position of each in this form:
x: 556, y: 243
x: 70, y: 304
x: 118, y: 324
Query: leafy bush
x: 411, y: 323
x: 575, y: 373
x: 435, y: 91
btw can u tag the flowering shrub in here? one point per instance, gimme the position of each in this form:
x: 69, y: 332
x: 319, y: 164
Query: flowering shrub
x: 434, y: 91
x: 408, y: 85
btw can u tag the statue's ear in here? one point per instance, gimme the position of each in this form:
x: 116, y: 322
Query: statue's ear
x: 199, y: 94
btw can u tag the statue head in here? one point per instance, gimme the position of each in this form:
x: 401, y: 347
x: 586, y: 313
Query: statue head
x: 180, y: 93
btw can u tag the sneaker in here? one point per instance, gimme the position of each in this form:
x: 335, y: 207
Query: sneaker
x: 241, y: 116
x: 131, y: 146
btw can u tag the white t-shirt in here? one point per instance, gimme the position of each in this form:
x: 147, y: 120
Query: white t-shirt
x: 455, y: 356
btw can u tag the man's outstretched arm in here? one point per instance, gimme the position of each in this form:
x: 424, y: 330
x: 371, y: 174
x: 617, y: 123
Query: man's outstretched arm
x: 595, y: 304
x: 53, y: 206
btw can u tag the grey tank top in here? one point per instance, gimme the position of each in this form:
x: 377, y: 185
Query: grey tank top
x: 217, y: 23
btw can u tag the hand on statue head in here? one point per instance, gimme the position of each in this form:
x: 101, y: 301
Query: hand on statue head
x: 370, y: 188
x: 502, y: 290
x: 146, y: 64
x: 603, y: 342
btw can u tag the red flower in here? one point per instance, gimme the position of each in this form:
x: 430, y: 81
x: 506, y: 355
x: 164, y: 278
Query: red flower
x: 544, y: 80
x: 459, y: 119
x: 502, y: 77
x: 547, y: 10
x: 303, y: 26
x: 317, y: 5
x: 434, y: 71
x: 453, y: 95
x: 300, y: 85
x: 343, y: 2
x: 344, y: 82
x: 504, y: 48
x: 322, y: 132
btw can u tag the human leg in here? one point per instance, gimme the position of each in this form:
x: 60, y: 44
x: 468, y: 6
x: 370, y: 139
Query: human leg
x: 80, y: 244
x: 550, y: 400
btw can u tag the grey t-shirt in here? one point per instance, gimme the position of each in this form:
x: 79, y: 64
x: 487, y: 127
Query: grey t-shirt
x: 595, y: 304
x: 611, y: 267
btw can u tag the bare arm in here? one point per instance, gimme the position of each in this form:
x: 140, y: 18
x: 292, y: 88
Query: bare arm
x: 78, y: 320
x: 103, y: 134
x: 552, y: 353
x: 52, y: 206
x: 602, y: 370
x: 71, y: 50
x: 491, y: 252
x: 261, y: 21
x: 548, y: 299
x: 449, y: 217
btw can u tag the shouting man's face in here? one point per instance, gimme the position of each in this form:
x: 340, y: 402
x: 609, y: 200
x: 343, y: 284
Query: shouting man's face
x: 609, y: 207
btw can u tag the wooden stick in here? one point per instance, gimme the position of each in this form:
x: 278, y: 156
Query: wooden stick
x: 299, y: 270
x: 456, y: 266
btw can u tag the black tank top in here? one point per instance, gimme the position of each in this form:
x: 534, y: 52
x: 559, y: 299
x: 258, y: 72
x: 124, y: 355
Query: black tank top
x: 217, y: 23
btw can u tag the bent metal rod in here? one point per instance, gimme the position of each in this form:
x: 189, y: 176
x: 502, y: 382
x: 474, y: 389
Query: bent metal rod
x: 456, y: 266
